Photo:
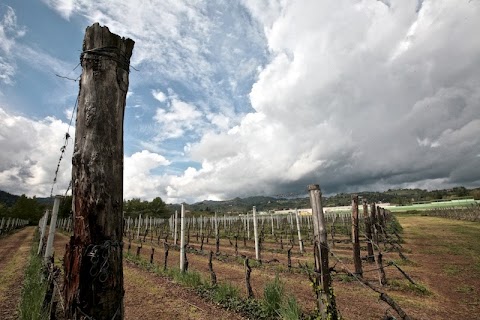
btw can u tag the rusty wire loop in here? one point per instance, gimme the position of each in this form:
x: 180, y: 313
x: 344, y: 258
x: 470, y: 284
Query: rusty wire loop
x: 111, y: 53
x: 92, y: 318
x: 99, y: 256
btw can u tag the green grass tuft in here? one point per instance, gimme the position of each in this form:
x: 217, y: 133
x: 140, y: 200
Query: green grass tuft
x: 465, y: 288
x: 403, y: 285
x: 34, y: 288
x: 225, y: 292
x: 273, y: 296
x: 290, y: 310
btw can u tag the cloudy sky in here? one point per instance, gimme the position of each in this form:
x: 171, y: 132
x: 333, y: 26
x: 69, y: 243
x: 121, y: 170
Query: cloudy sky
x: 252, y: 97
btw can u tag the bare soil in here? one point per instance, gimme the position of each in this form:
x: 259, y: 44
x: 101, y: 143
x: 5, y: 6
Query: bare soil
x: 444, y: 258
x: 447, y: 257
x: 150, y: 297
x: 14, y: 252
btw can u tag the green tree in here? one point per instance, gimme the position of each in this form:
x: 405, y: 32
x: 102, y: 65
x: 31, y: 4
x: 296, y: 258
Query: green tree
x: 460, y: 191
x: 155, y: 208
x: 158, y: 208
x: 475, y: 194
x: 65, y: 209
x: 27, y: 208
x: 4, y: 210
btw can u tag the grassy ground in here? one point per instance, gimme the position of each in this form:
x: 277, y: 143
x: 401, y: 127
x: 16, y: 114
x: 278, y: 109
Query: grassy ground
x: 34, y: 287
x: 435, y: 205
x: 447, y: 254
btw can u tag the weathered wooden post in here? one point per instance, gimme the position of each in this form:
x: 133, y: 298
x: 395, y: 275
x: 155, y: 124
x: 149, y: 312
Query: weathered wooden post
x: 368, y: 232
x: 93, y: 282
x: 248, y: 227
x: 300, y: 242
x: 3, y: 223
x: 182, y: 238
x: 255, y: 234
x: 355, y: 237
x: 325, y: 297
x: 51, y: 229
x: 139, y: 224
x: 42, y: 231
x: 373, y: 222
x: 175, y: 228
x: 217, y: 238
x: 380, y: 219
x: 271, y: 219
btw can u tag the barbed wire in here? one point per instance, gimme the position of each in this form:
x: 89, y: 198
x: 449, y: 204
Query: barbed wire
x: 64, y: 147
x: 67, y: 134
x: 346, y: 268
x: 107, y: 52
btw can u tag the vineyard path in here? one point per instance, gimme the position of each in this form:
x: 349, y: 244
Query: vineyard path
x: 14, y: 253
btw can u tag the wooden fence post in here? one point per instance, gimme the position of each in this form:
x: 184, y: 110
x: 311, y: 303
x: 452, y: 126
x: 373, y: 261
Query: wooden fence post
x: 368, y: 232
x: 175, y: 226
x: 355, y: 237
x: 380, y: 220
x: 217, y: 236
x: 139, y: 224
x: 255, y: 233
x: 93, y: 281
x: 248, y: 227
x: 325, y: 297
x: 42, y: 231
x: 51, y: 229
x: 300, y: 242
x: 271, y: 218
x: 3, y: 223
x: 182, y: 239
x: 373, y: 222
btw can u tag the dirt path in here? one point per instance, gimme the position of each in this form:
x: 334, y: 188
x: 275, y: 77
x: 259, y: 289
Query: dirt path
x: 14, y: 255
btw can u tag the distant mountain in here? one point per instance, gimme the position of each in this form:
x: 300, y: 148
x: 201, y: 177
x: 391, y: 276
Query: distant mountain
x: 46, y: 201
x: 241, y: 205
x: 263, y: 203
x: 7, y: 198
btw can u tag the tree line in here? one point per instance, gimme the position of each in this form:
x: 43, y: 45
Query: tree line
x: 31, y: 209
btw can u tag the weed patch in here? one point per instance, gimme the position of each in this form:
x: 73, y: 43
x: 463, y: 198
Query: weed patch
x: 418, y: 289
x: 274, y: 305
x: 451, y: 270
x: 464, y: 289
x: 34, y: 287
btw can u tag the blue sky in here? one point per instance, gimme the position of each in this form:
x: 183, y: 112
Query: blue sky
x: 237, y: 98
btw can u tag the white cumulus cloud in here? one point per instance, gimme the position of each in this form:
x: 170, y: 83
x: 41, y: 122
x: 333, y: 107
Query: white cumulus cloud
x: 30, y: 153
x: 353, y: 94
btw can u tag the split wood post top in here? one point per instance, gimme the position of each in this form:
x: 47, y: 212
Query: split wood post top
x: 93, y: 283
x: 355, y: 237
x: 325, y: 298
